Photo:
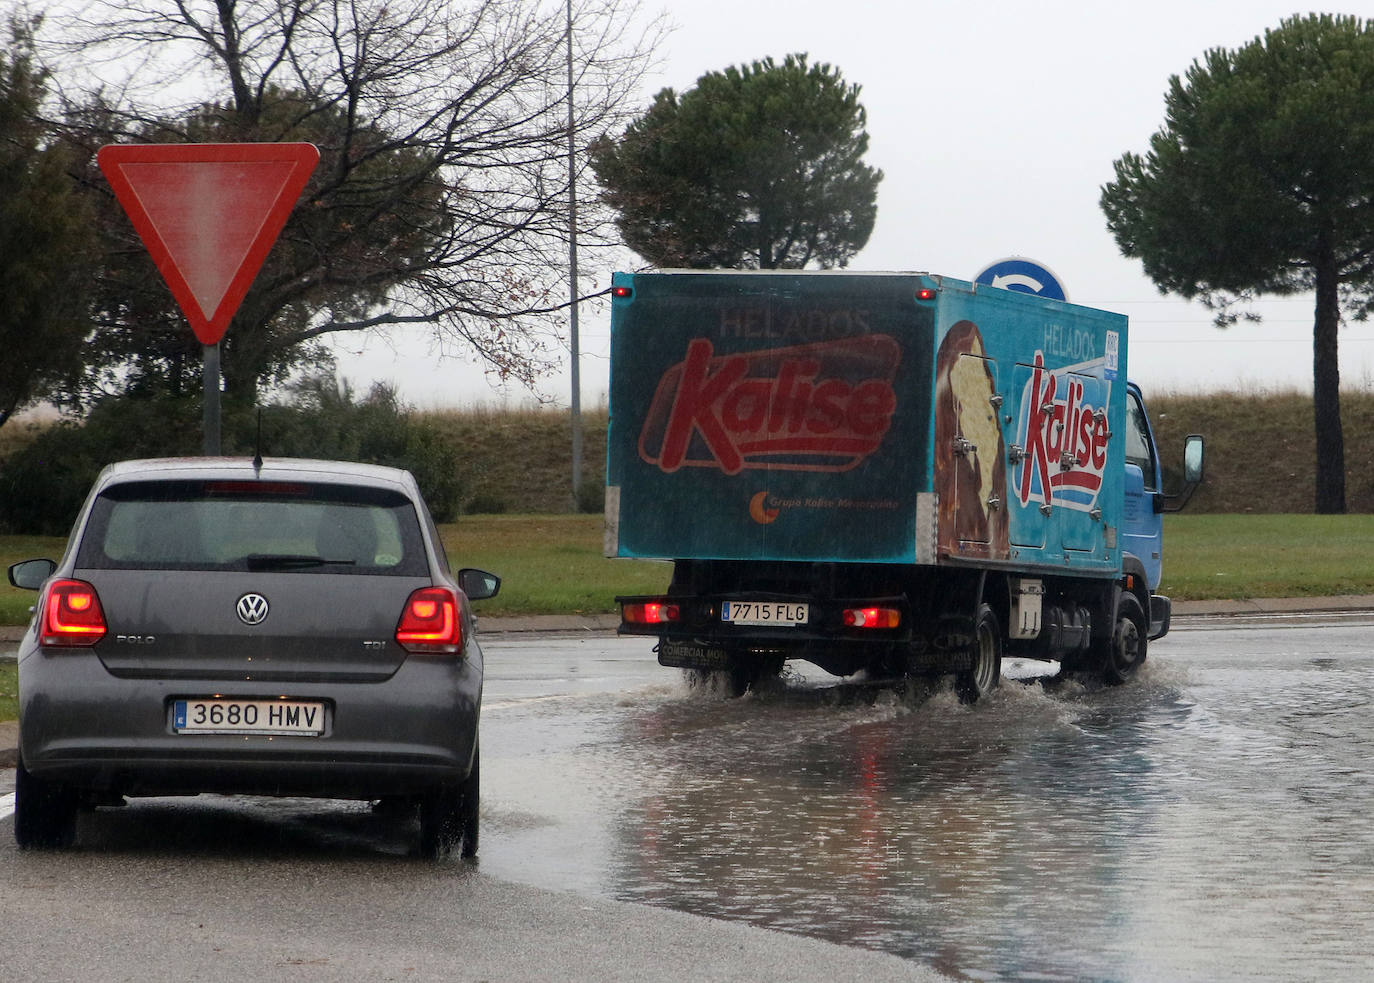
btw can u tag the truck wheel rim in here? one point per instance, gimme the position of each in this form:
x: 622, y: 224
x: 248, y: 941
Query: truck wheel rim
x: 1127, y: 643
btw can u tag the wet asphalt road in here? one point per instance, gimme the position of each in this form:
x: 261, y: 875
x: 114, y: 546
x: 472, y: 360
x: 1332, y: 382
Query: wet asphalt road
x: 1207, y: 822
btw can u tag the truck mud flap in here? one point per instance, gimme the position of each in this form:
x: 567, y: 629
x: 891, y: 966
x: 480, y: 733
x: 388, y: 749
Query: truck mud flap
x: 679, y: 654
x: 948, y: 649
x: 939, y: 662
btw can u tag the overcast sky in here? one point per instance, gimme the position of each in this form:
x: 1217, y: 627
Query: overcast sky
x: 995, y: 125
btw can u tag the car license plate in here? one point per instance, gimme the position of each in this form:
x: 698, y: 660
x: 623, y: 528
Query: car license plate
x: 776, y: 613
x: 215, y: 716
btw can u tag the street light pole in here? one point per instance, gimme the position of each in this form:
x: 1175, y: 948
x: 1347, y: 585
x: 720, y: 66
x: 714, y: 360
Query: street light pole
x: 572, y: 281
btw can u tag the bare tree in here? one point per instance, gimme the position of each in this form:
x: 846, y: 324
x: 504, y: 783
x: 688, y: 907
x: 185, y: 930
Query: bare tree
x: 442, y: 193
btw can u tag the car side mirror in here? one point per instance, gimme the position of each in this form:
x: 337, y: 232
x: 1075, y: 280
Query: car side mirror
x: 478, y: 585
x: 30, y: 574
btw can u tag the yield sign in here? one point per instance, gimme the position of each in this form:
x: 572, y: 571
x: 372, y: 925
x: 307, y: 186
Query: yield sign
x: 209, y: 214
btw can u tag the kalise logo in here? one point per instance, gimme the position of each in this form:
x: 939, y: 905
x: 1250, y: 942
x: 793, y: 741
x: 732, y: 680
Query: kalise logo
x: 1064, y: 439
x: 819, y: 407
x: 760, y: 511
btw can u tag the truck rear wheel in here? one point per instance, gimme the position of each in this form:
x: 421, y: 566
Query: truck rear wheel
x: 980, y: 679
x: 1130, y: 638
x: 739, y: 677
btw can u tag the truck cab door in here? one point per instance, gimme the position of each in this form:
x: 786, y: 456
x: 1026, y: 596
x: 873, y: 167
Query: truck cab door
x: 1142, y: 525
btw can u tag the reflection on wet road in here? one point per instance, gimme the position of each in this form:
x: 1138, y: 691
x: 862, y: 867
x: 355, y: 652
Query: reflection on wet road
x: 1209, y: 821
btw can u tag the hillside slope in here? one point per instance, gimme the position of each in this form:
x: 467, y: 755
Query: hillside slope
x: 1260, y: 452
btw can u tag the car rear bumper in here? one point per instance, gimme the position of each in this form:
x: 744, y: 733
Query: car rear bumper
x: 83, y: 727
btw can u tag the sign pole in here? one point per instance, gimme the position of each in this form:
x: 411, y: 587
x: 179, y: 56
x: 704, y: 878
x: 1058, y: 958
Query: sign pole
x: 210, y: 414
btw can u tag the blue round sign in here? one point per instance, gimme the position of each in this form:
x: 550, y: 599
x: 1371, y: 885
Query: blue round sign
x: 1023, y: 276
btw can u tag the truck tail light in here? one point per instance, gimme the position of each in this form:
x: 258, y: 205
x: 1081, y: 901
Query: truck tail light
x: 72, y: 614
x: 650, y: 613
x: 431, y: 622
x: 872, y: 617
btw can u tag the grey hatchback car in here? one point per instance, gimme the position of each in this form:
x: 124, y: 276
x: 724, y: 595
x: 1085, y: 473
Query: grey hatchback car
x: 282, y: 628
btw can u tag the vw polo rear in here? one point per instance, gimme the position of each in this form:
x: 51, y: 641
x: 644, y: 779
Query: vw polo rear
x: 291, y: 629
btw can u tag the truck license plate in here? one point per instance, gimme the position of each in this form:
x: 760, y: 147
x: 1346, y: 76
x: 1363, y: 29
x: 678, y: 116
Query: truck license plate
x: 776, y: 613
x: 212, y: 716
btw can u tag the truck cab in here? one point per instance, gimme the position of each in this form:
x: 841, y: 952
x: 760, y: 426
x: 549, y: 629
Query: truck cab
x: 1145, y: 502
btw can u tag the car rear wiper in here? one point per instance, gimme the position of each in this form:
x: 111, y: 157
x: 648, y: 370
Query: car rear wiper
x: 291, y: 561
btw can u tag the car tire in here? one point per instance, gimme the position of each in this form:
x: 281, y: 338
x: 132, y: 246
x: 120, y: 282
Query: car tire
x: 44, y: 812
x: 470, y: 795
x: 449, y: 816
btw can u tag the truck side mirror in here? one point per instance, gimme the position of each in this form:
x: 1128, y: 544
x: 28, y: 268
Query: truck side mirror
x: 1192, y: 459
x: 1192, y: 475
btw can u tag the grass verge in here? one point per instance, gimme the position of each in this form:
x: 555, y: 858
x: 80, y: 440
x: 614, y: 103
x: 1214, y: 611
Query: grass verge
x: 1209, y: 557
x: 548, y: 564
x: 9, y: 690
x: 552, y: 564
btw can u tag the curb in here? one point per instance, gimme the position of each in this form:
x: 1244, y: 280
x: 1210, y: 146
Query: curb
x: 571, y: 624
x: 1274, y: 605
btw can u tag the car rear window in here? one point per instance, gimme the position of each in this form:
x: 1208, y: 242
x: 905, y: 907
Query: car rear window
x: 254, y: 525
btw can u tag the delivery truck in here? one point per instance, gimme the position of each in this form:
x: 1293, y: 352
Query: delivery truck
x: 899, y: 474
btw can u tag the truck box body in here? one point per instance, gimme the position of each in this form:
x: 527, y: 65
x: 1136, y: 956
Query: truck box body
x: 863, y: 418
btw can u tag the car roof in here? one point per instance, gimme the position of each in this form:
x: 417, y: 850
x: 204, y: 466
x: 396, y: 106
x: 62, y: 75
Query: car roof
x: 244, y: 469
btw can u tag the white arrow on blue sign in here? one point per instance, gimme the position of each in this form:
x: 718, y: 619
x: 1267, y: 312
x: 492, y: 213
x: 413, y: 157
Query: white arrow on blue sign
x: 1023, y: 276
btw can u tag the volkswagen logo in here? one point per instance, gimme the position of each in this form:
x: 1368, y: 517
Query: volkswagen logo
x: 252, y: 609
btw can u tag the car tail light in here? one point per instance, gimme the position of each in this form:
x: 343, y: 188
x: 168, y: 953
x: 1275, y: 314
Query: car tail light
x: 650, y: 613
x: 431, y: 622
x: 72, y: 614
x: 872, y: 617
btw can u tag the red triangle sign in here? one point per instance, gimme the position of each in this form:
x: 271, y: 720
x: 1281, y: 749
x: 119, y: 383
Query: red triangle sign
x: 209, y: 214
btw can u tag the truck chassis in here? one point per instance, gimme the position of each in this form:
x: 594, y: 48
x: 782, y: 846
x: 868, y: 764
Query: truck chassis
x: 935, y: 621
